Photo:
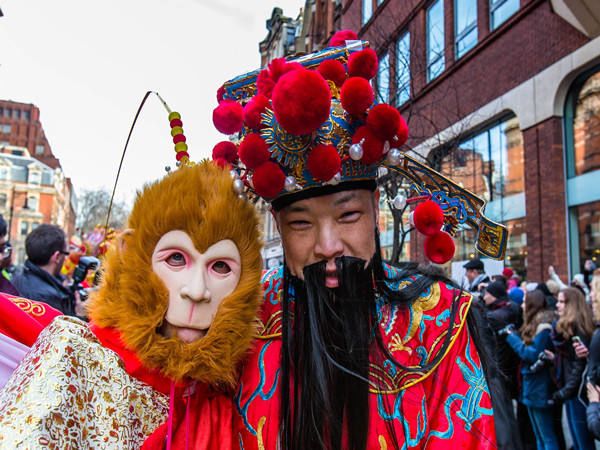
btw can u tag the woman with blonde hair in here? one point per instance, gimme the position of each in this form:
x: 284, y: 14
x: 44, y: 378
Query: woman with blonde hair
x: 574, y: 326
x: 537, y: 383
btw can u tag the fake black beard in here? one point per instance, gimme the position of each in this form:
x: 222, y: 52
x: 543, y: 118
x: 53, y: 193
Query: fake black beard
x: 326, y: 354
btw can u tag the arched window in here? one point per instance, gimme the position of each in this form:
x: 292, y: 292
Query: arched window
x: 582, y: 146
x: 489, y: 163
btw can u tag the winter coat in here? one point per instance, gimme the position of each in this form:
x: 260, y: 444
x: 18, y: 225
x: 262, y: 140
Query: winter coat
x: 593, y: 419
x: 499, y: 314
x: 35, y: 283
x: 569, y: 368
x: 537, y: 387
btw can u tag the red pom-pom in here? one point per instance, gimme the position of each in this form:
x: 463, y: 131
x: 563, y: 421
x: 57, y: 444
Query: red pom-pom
x: 228, y: 117
x: 440, y: 247
x: 324, y: 162
x: 356, y: 95
x: 339, y: 39
x: 178, y: 138
x: 254, y: 151
x: 220, y: 94
x: 264, y: 83
x: 363, y: 64
x: 333, y: 70
x: 180, y: 155
x: 222, y: 163
x: 384, y: 121
x: 428, y: 217
x: 253, y: 109
x: 279, y: 67
x: 268, y: 179
x: 301, y: 101
x: 402, y: 133
x: 225, y: 150
x: 371, y: 144
x: 176, y: 123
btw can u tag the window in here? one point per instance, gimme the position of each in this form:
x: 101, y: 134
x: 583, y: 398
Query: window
x: 383, y: 79
x: 501, y: 10
x: 32, y: 203
x: 435, y: 40
x: 367, y: 10
x: 582, y: 139
x: 7, y: 112
x: 26, y: 115
x: 34, y: 225
x: 5, y: 128
x: 16, y: 113
x: 491, y: 165
x: 465, y: 25
x: 403, y: 69
x: 39, y: 149
x: 3, y: 173
x: 3, y: 201
x: 35, y: 177
x: 24, y: 228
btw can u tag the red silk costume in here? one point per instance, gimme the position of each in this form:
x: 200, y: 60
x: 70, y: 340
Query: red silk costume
x: 448, y: 405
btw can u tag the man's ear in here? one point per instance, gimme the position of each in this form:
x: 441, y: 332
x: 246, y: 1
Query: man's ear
x: 122, y: 239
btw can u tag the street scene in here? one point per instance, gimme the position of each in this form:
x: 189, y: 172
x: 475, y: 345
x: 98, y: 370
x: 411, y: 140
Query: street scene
x: 287, y: 224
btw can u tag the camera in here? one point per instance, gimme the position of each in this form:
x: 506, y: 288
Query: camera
x: 510, y: 328
x: 542, y: 361
x: 86, y: 263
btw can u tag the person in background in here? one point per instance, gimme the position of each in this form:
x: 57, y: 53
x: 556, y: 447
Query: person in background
x: 574, y: 325
x: 516, y: 295
x: 511, y: 279
x: 40, y: 278
x: 476, y: 277
x: 5, y: 261
x: 537, y: 384
x: 589, y: 267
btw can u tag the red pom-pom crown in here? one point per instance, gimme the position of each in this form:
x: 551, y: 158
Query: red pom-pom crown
x: 439, y: 247
x: 324, y: 162
x: 356, y: 95
x: 339, y: 38
x: 268, y: 179
x: 363, y: 64
x: 333, y: 70
x: 384, y: 121
x: 371, y: 144
x: 253, y: 110
x: 428, y: 217
x: 225, y: 150
x: 228, y: 117
x: 254, y: 151
x: 301, y: 101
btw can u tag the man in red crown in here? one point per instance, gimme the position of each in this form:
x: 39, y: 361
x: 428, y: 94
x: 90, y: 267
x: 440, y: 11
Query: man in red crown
x: 352, y: 353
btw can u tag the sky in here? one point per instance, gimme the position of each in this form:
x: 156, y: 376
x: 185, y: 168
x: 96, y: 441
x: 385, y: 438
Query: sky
x: 87, y: 66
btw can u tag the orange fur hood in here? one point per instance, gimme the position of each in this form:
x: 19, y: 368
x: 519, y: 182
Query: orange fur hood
x: 132, y: 299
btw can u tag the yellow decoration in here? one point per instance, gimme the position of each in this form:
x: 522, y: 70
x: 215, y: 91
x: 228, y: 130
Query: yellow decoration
x: 174, y: 115
x: 176, y: 130
x: 181, y: 147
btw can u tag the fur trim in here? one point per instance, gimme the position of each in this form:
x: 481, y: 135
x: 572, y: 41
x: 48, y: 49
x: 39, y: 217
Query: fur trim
x: 132, y: 299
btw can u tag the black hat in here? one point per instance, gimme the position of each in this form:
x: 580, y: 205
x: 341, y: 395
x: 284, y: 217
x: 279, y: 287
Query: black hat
x: 497, y: 289
x: 474, y: 263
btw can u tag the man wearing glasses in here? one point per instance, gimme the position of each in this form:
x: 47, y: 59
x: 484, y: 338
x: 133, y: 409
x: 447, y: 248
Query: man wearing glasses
x: 40, y: 278
x: 5, y: 261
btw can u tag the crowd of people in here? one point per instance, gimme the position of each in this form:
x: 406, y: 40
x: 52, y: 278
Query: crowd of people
x: 547, y: 350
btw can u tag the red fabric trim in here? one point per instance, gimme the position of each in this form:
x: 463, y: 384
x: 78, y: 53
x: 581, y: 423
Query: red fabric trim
x: 22, y: 319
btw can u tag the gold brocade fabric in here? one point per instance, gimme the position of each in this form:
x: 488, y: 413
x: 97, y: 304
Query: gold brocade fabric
x: 70, y: 392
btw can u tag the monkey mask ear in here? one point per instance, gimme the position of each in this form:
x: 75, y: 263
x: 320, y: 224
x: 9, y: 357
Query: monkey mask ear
x: 122, y: 239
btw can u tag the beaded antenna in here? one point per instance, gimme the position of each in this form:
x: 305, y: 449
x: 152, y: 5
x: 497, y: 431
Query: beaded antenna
x: 313, y: 123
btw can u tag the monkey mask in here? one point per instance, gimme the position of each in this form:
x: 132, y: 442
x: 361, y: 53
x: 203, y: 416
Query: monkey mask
x: 182, y: 287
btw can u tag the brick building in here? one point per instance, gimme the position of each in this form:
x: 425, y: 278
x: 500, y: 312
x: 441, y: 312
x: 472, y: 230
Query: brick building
x: 33, y: 187
x: 504, y: 96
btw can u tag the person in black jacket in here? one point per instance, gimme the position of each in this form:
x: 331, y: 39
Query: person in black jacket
x: 574, y: 326
x: 40, y: 278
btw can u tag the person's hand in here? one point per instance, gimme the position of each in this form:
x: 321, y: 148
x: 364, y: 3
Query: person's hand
x: 508, y: 329
x: 80, y: 308
x: 551, y: 271
x: 481, y: 286
x: 550, y: 355
x: 581, y: 350
x: 593, y: 392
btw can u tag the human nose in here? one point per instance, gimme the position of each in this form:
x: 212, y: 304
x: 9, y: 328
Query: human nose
x: 329, y: 243
x: 196, y: 288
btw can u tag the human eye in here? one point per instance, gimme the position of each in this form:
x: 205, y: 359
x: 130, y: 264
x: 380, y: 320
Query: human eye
x: 176, y: 259
x: 221, y: 267
x: 299, y: 224
x: 350, y: 216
